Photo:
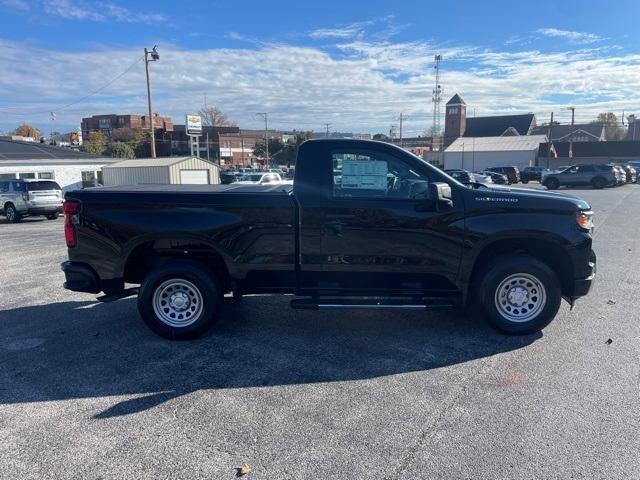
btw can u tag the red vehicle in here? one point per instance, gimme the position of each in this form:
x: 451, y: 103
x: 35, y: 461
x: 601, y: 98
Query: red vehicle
x: 512, y: 173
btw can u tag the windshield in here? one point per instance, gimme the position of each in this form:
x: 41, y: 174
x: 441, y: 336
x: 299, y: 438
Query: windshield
x: 40, y: 186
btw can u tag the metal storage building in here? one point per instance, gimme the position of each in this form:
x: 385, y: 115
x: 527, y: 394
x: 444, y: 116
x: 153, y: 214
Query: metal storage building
x: 479, y: 153
x: 170, y: 170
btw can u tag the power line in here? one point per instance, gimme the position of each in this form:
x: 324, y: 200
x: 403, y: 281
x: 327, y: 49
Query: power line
x: 108, y: 84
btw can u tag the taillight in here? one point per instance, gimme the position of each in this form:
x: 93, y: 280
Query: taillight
x: 71, y: 209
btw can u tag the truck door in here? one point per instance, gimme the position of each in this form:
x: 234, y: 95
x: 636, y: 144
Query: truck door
x: 378, y: 233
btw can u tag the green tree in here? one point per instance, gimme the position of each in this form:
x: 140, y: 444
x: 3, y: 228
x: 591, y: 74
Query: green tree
x: 121, y: 150
x: 275, y: 146
x: 26, y: 130
x: 289, y: 152
x: 612, y: 129
x: 95, y: 143
x: 136, y: 138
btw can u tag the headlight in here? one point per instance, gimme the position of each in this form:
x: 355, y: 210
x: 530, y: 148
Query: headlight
x: 585, y: 220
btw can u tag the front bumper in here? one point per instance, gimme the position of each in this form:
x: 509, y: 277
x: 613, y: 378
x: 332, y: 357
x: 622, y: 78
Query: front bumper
x: 80, y: 278
x: 582, y: 286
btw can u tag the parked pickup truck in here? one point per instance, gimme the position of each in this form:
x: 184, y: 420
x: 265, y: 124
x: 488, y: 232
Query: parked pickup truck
x: 364, y: 225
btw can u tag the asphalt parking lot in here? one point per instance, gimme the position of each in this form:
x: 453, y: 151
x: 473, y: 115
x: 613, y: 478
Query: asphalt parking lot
x: 87, y: 391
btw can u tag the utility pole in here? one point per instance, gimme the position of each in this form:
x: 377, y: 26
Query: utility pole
x: 573, y: 114
x: 327, y: 125
x: 400, y: 129
x: 550, y: 144
x: 265, y: 115
x: 154, y: 57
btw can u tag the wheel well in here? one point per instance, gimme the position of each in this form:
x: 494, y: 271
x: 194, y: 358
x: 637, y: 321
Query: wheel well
x: 149, y: 255
x: 549, y: 253
x: 4, y: 207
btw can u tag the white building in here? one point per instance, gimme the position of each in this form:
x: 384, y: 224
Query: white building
x: 479, y: 153
x: 168, y: 170
x: 70, y: 168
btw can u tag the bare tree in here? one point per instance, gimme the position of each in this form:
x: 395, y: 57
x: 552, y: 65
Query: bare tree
x: 214, y: 117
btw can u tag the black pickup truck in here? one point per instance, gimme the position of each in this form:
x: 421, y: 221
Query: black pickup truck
x: 364, y: 225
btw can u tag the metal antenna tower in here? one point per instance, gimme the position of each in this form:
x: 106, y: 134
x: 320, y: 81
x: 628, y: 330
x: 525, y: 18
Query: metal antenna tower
x: 436, y: 98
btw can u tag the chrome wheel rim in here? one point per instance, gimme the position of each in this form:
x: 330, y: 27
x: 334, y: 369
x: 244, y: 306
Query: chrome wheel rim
x: 177, y: 303
x: 520, y: 297
x: 11, y: 213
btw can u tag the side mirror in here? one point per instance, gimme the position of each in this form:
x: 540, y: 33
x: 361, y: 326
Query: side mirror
x: 440, y: 194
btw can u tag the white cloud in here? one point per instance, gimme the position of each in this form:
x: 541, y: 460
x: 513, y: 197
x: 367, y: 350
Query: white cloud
x: 83, y: 10
x: 361, y: 86
x: 18, y: 5
x: 571, y: 36
x: 345, y: 31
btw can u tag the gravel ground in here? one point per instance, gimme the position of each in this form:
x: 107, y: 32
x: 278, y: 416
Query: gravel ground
x: 87, y: 391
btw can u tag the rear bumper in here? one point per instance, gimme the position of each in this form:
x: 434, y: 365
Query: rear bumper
x: 80, y: 278
x: 44, y: 210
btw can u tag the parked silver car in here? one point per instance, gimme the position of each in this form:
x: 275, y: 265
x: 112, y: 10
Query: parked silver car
x: 21, y: 198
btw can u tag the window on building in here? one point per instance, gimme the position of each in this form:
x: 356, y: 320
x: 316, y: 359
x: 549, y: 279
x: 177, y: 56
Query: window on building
x: 27, y: 175
x: 88, y: 179
x: 453, y: 110
x: 7, y: 176
x: 371, y: 174
x: 45, y: 175
x: 100, y: 180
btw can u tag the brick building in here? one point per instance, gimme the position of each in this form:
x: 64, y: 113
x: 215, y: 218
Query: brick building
x: 237, y: 148
x: 107, y: 123
x: 457, y: 124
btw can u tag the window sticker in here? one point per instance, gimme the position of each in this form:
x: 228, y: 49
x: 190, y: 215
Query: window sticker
x: 364, y: 174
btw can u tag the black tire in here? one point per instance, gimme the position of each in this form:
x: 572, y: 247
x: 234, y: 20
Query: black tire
x: 525, y: 180
x: 52, y: 216
x: 191, y: 275
x: 548, y: 298
x: 552, y: 183
x: 598, y: 183
x: 11, y: 213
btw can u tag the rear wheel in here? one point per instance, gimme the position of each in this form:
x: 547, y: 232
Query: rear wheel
x: 552, y: 183
x: 598, y: 183
x: 52, y: 216
x: 11, y: 213
x: 180, y: 299
x: 520, y: 295
x: 525, y: 180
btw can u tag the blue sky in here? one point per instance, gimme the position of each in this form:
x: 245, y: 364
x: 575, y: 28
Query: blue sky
x: 356, y: 65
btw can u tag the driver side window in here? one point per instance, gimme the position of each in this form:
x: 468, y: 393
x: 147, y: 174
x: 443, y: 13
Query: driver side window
x: 371, y: 174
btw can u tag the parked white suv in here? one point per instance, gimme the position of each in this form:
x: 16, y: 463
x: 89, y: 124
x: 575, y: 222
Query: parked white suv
x: 21, y: 198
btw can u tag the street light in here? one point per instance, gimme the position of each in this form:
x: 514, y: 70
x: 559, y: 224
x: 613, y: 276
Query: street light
x: 155, y: 56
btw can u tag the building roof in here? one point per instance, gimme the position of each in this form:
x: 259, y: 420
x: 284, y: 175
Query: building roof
x: 497, y: 125
x: 497, y: 144
x: 153, y: 162
x: 622, y: 148
x: 560, y: 132
x: 16, y: 150
x: 456, y: 100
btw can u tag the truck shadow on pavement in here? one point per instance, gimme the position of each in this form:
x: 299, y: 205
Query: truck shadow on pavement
x: 69, y: 350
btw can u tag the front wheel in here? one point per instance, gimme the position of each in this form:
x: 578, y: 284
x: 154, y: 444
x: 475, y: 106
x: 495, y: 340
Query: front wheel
x: 52, y: 216
x: 552, y: 183
x: 180, y: 299
x: 520, y: 295
x: 525, y: 180
x: 598, y: 183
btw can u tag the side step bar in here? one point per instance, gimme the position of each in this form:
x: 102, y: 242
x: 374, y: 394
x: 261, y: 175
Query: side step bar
x: 372, y: 303
x: 112, y: 297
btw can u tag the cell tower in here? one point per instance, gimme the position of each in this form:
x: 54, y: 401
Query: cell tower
x: 436, y: 98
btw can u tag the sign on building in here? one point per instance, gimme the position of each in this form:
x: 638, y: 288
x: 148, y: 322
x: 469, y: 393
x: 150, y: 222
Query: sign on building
x: 194, y: 125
